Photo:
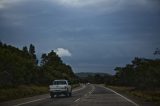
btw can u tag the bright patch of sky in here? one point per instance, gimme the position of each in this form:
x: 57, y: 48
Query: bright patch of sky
x: 63, y: 52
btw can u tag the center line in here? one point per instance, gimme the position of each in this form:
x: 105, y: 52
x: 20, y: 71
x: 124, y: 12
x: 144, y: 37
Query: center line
x: 77, y: 100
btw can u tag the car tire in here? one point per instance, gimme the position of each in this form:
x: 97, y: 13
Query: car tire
x: 70, y: 94
x: 67, y: 94
x: 52, y: 95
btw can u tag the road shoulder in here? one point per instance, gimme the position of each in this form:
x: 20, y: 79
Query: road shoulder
x: 136, y: 99
x: 21, y: 101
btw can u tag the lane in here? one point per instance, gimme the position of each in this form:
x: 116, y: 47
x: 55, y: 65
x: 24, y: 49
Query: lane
x: 62, y: 100
x: 24, y: 100
x: 45, y: 100
x: 102, y: 96
x: 91, y: 95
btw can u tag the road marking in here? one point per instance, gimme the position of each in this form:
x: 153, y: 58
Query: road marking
x: 44, y: 98
x: 77, y: 100
x: 29, y: 102
x: 93, y: 87
x: 79, y: 88
x: 90, y: 92
x: 121, y: 96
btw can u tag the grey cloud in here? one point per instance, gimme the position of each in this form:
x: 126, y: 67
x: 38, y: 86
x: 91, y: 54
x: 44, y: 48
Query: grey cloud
x: 99, y: 39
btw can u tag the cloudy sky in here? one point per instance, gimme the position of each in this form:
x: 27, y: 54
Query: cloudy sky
x: 90, y: 35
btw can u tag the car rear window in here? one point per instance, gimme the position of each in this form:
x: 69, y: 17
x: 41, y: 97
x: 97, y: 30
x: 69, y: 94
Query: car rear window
x: 59, y: 82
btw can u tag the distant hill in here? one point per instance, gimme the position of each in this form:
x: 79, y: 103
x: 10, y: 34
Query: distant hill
x: 86, y: 74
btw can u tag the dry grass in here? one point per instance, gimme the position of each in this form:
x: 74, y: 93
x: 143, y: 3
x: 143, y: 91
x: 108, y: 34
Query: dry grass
x: 24, y: 91
x: 146, y: 95
x: 21, y: 91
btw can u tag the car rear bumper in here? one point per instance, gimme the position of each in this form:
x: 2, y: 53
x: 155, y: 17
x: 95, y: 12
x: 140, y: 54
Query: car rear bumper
x: 58, y: 92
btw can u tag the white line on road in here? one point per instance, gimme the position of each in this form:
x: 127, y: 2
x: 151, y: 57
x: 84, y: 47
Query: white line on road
x: 44, y: 98
x: 121, y: 96
x: 77, y: 100
x: 79, y: 88
x: 92, y: 90
x: 29, y: 102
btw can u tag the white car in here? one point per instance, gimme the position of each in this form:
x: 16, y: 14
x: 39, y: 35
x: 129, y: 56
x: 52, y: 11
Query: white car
x: 60, y: 87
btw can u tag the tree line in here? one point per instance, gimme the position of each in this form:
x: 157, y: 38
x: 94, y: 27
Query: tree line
x: 142, y: 74
x: 94, y: 78
x: 20, y: 67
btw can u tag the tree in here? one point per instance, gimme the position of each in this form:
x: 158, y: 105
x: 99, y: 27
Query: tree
x: 17, y: 67
x: 1, y: 43
x: 43, y: 59
x: 25, y: 49
x: 31, y: 49
x: 32, y: 53
x: 54, y: 68
x: 157, y: 51
x: 142, y: 74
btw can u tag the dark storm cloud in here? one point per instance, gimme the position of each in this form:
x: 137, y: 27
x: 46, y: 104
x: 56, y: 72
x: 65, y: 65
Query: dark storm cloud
x: 100, y: 34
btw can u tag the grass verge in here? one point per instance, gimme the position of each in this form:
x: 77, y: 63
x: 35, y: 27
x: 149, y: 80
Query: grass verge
x: 21, y: 92
x: 75, y: 86
x: 140, y: 95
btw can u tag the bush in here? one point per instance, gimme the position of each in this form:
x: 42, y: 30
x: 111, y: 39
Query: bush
x: 21, y: 91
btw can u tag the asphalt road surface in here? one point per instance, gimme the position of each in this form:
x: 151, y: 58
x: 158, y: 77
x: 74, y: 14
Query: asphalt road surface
x: 89, y: 95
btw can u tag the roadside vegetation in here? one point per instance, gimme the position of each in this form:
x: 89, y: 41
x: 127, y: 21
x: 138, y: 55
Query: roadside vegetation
x: 141, y: 96
x: 94, y: 78
x: 140, y: 79
x: 24, y: 91
x: 143, y: 74
x: 21, y: 92
x: 22, y: 74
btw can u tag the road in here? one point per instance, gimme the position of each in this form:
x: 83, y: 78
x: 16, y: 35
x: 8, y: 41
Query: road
x: 90, y: 95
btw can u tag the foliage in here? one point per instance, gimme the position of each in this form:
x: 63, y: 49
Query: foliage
x: 157, y: 51
x: 16, y: 67
x: 95, y: 78
x: 21, y: 91
x: 141, y: 95
x: 54, y: 68
x: 142, y: 73
x: 20, y: 67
